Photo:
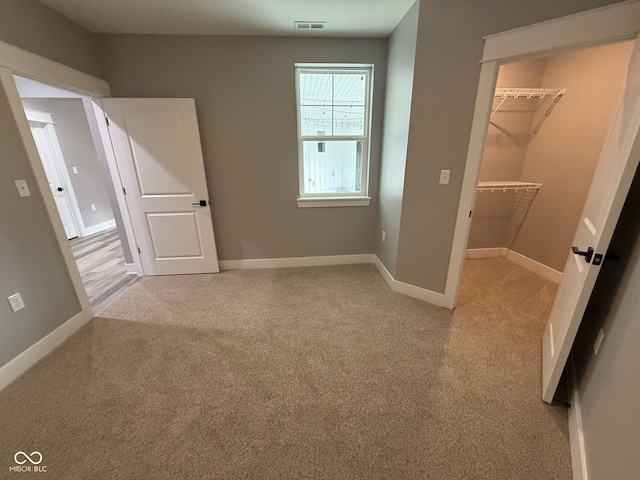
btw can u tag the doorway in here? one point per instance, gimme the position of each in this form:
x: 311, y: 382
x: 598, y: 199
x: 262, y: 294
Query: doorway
x: 44, y: 134
x: 60, y: 123
x: 548, y: 123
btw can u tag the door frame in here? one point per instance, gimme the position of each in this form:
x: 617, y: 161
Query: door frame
x: 614, y: 23
x: 14, y: 60
x: 46, y: 120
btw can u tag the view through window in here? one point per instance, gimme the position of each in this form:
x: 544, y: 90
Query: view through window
x: 333, y: 130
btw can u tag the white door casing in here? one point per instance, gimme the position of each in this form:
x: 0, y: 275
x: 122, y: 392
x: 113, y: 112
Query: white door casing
x: 612, y: 179
x: 57, y: 187
x: 157, y: 148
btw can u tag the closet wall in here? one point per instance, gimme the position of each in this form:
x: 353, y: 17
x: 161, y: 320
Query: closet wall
x: 561, y: 155
x: 504, y: 154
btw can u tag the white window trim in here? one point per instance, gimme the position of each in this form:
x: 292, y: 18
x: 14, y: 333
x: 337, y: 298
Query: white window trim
x: 360, y: 199
x: 352, y: 201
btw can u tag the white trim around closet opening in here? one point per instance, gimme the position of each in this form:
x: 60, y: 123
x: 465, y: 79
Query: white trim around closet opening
x: 613, y: 23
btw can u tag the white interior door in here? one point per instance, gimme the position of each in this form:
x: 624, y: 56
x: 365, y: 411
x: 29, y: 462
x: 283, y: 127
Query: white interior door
x: 157, y: 148
x: 54, y: 178
x: 616, y: 168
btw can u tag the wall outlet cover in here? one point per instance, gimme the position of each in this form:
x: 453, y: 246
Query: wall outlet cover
x: 16, y: 302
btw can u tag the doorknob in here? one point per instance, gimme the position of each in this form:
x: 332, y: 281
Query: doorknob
x: 60, y: 189
x: 201, y: 203
x: 588, y: 255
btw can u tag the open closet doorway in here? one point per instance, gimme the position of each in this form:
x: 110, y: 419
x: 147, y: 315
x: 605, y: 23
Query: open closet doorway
x: 549, y: 121
x: 544, y: 166
x: 63, y: 125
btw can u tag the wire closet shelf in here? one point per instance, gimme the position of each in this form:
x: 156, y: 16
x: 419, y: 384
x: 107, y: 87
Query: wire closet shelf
x: 501, y: 95
x: 508, y: 186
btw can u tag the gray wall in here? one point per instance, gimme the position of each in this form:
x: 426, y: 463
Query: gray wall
x: 504, y: 153
x: 449, y: 48
x: 79, y: 151
x: 563, y: 155
x: 608, y: 385
x: 400, y: 63
x: 244, y: 89
x: 32, y: 26
x: 30, y: 260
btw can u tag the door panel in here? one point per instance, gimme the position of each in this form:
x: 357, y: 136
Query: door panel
x: 53, y: 178
x: 157, y: 147
x: 612, y: 179
x: 163, y: 225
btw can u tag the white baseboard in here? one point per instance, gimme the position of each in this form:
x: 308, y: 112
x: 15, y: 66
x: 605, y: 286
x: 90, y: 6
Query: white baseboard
x: 576, y: 435
x: 255, y: 263
x: 99, y: 227
x: 399, y: 287
x: 131, y: 269
x: 499, y: 252
x: 20, y: 364
x: 535, y: 267
x: 411, y: 290
x: 517, y: 258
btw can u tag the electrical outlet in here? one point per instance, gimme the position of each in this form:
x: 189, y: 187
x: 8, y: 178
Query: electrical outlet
x: 23, y: 188
x: 93, y: 207
x: 444, y: 177
x: 75, y: 170
x: 16, y: 302
x: 596, y: 346
x: 384, y: 235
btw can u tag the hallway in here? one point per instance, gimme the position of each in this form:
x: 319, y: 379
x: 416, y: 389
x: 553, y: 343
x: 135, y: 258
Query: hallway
x: 100, y: 260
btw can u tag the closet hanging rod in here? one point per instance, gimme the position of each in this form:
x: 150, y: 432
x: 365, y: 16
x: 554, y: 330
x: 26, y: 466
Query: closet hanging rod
x: 529, y: 92
x: 507, y: 186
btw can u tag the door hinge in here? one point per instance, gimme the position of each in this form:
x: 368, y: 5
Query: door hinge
x: 106, y: 119
x: 139, y: 251
x: 124, y: 190
x: 470, y: 213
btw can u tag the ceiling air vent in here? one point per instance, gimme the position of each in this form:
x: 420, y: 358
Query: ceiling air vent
x: 300, y: 25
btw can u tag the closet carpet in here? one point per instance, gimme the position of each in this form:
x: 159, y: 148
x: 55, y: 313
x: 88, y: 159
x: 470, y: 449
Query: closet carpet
x: 300, y: 373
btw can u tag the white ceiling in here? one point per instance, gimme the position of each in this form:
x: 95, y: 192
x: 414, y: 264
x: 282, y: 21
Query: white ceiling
x: 352, y: 18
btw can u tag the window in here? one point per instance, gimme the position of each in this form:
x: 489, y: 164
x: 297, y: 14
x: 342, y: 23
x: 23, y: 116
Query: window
x: 322, y: 146
x: 334, y: 111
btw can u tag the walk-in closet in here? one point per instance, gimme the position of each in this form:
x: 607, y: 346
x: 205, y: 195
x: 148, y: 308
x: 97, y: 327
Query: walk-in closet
x: 549, y: 120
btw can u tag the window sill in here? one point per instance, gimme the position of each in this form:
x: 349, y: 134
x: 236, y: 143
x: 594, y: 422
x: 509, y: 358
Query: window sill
x: 319, y: 202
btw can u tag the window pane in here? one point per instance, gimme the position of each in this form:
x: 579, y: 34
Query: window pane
x: 336, y: 170
x: 348, y: 89
x: 316, y: 88
x: 332, y: 101
x: 314, y: 119
x: 348, y: 120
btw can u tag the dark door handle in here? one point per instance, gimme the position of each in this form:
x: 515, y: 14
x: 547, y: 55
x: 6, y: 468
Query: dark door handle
x: 60, y: 189
x: 201, y: 203
x: 588, y: 255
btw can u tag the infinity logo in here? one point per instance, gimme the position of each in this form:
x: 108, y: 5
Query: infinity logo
x: 27, y: 457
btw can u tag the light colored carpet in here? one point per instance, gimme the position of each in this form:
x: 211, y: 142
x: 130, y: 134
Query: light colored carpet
x: 311, y: 373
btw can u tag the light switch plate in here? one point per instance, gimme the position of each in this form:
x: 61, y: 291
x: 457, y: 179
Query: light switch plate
x: 75, y: 170
x: 444, y: 177
x: 23, y: 188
